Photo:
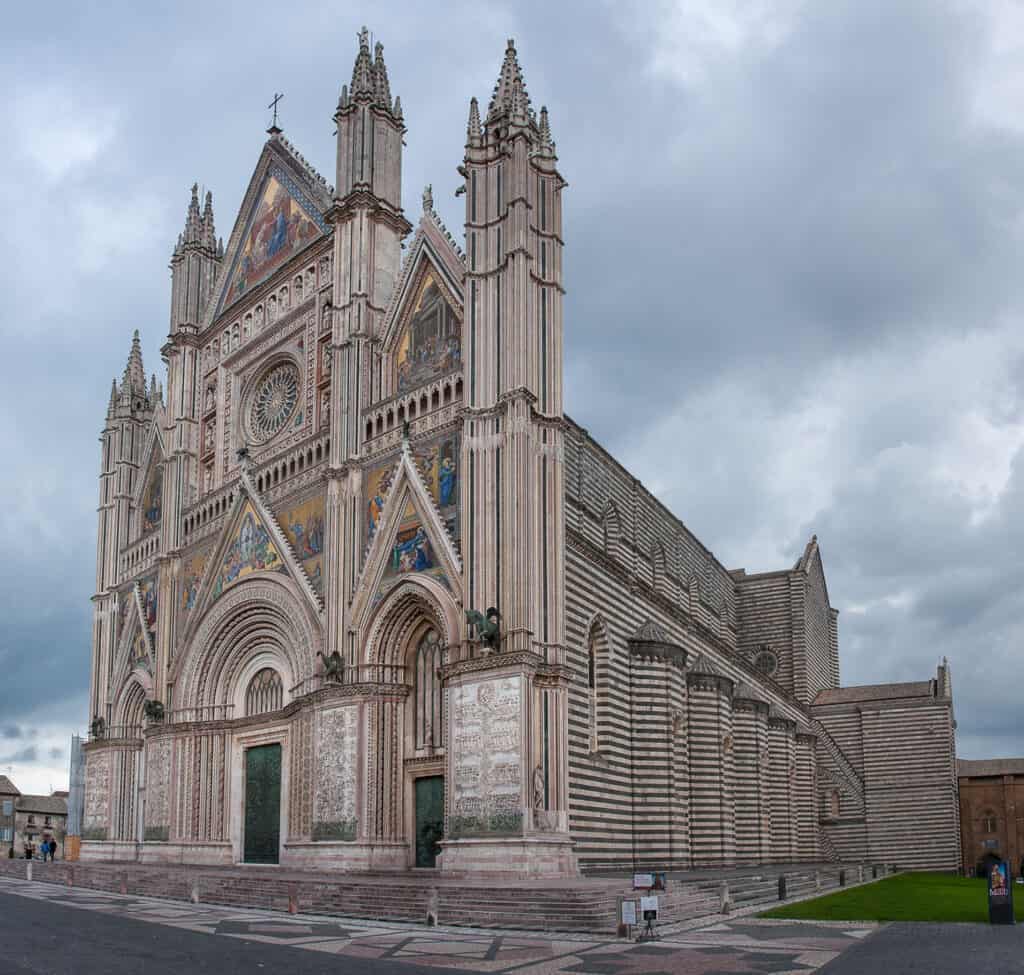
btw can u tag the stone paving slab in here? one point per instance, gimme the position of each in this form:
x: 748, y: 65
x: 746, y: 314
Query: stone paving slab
x: 743, y: 945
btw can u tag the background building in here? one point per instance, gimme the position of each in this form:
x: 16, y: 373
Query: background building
x: 8, y: 797
x: 992, y: 812
x: 27, y: 819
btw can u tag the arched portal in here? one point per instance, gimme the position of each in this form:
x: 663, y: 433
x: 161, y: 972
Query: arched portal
x: 408, y: 638
x: 253, y: 653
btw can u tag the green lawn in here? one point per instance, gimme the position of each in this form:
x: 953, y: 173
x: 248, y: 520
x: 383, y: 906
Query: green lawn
x: 903, y: 897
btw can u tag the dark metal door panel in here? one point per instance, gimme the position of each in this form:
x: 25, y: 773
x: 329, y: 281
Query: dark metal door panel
x: 262, y: 804
x: 429, y: 819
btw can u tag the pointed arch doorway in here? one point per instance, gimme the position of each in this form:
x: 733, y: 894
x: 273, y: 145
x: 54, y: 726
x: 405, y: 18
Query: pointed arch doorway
x: 411, y: 634
x: 423, y: 748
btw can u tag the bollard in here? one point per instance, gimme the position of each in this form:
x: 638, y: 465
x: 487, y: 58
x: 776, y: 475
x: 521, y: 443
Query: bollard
x: 874, y: 871
x: 28, y: 872
x: 842, y: 878
x: 860, y: 874
x: 817, y: 880
x: 782, y: 886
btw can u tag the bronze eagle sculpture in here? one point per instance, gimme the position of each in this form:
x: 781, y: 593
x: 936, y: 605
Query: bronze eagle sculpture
x: 486, y: 626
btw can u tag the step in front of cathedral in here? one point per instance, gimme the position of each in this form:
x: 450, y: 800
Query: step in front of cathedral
x: 588, y: 904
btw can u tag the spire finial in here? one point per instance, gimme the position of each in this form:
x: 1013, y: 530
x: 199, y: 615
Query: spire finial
x: 509, y: 79
x: 474, y: 132
x: 428, y: 198
x: 382, y: 89
x: 134, y: 380
x: 274, y: 130
x: 363, y: 82
x: 209, y: 234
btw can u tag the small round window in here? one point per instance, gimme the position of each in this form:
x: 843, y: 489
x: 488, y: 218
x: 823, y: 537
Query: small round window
x: 767, y: 663
x: 273, y: 401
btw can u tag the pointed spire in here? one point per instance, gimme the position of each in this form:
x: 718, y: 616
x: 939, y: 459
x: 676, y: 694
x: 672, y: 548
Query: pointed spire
x: 428, y: 198
x: 545, y: 126
x: 343, y: 97
x: 509, y: 88
x: 192, y: 220
x: 199, y: 229
x: 474, y: 131
x: 380, y: 78
x: 134, y: 380
x: 209, y: 235
x: 362, y: 71
x: 152, y: 390
x: 112, y: 405
x: 397, y: 110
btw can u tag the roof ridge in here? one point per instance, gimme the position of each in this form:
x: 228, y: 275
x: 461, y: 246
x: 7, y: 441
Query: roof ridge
x: 306, y: 165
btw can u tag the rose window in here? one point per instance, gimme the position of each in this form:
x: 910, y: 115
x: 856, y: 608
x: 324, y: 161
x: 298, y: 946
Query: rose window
x: 273, y: 401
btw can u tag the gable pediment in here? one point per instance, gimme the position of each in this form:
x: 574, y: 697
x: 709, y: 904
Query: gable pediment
x: 422, y: 329
x: 148, y: 498
x: 251, y: 543
x: 136, y: 644
x: 409, y: 539
x: 282, y: 214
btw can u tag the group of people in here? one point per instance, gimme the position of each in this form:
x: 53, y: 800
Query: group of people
x: 47, y: 850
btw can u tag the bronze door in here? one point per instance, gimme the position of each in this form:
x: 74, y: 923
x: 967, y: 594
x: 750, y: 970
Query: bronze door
x: 262, y: 804
x: 429, y: 819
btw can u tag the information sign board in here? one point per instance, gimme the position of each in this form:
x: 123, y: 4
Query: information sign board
x: 629, y: 912
x: 648, y: 904
x: 643, y: 881
x: 1000, y: 894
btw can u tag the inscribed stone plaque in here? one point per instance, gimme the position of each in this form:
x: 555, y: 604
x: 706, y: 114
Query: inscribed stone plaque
x: 334, y: 806
x: 486, y: 759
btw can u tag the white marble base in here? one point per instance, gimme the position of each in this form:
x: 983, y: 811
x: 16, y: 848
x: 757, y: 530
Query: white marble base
x: 119, y: 850
x: 210, y: 854
x: 346, y: 857
x: 509, y: 856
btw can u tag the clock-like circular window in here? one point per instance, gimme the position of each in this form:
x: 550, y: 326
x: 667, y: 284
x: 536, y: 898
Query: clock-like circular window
x: 273, y: 401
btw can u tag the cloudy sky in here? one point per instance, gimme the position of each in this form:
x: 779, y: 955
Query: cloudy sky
x: 793, y: 245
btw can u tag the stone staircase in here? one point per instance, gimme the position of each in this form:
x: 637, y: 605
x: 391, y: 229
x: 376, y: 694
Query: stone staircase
x: 585, y: 905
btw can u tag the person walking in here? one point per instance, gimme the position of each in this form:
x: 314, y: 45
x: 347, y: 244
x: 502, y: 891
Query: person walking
x: 53, y: 850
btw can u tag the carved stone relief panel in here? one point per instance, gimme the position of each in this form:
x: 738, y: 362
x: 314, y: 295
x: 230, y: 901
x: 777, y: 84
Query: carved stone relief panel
x: 158, y: 780
x: 96, y: 818
x: 486, y: 758
x: 334, y: 804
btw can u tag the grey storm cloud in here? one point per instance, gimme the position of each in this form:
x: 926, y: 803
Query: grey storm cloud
x: 793, y: 240
x: 11, y: 731
x: 29, y: 754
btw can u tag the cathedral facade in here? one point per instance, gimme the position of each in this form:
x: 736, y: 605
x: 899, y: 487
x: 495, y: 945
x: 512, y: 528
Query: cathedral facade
x: 367, y: 599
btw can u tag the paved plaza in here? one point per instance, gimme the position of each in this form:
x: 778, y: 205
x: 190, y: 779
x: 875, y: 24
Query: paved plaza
x: 41, y: 935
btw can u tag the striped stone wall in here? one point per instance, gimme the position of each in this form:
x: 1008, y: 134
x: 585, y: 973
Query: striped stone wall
x: 901, y: 807
x: 691, y: 755
x: 782, y: 784
x: 752, y: 788
x: 712, y: 766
